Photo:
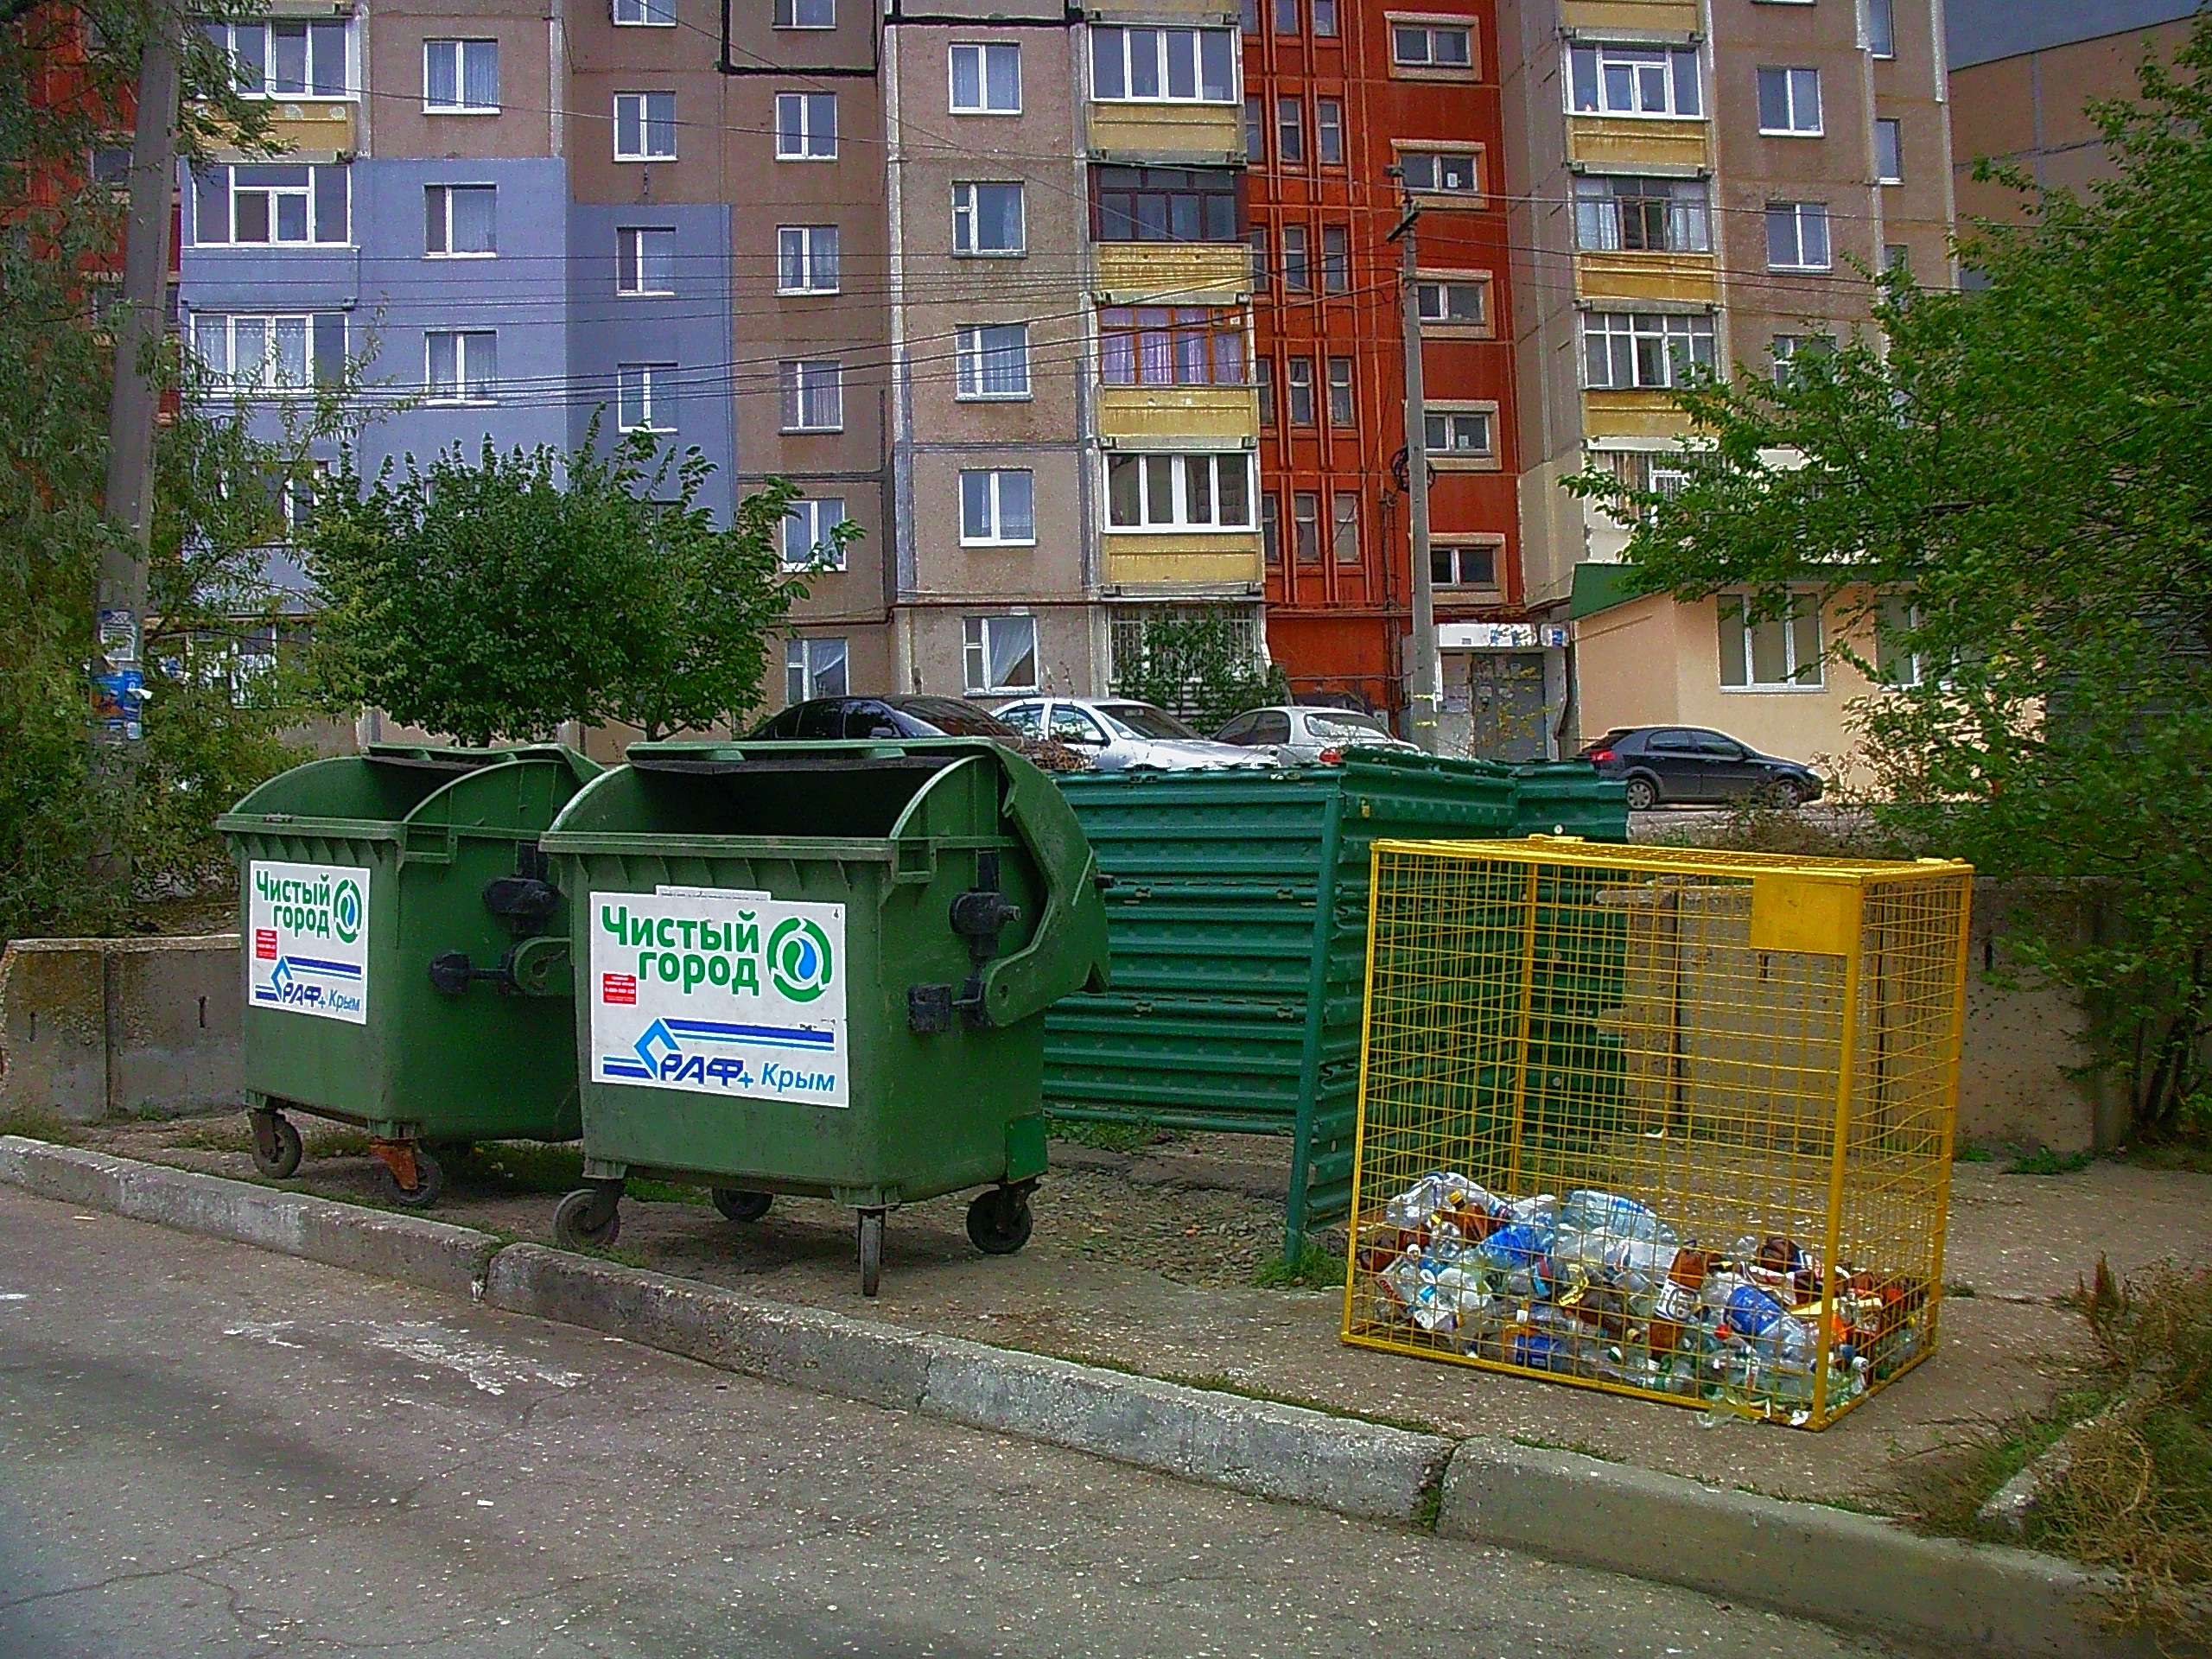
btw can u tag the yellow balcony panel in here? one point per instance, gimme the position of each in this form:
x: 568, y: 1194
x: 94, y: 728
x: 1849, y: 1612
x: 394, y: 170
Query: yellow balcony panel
x: 313, y: 126
x: 1691, y: 278
x: 1629, y: 141
x: 1172, y: 273
x: 1168, y: 135
x: 1632, y: 415
x: 1184, y: 562
x: 1213, y: 416
x: 1638, y: 16
x: 1142, y: 12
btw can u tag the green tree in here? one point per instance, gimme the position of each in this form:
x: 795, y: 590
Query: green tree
x: 1201, y: 666
x: 2011, y: 488
x: 498, y: 598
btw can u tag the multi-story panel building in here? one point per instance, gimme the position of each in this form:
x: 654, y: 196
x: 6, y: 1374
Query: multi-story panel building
x: 1706, y: 184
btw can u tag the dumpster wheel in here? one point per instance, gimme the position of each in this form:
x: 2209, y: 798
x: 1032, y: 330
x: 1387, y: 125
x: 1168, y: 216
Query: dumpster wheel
x: 590, y: 1217
x: 740, y: 1205
x: 276, y: 1148
x: 871, y: 1232
x: 397, y: 1161
x: 1000, y: 1222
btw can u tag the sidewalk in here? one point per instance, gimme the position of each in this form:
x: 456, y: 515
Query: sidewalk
x: 1144, y: 1262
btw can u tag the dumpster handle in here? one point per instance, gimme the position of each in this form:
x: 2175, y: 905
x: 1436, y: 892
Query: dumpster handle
x: 1071, y: 922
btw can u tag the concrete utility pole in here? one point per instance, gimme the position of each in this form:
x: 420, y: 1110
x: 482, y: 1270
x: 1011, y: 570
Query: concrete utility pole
x: 118, y: 672
x: 1421, y: 681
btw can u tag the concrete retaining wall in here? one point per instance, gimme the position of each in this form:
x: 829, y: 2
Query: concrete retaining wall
x: 94, y: 1028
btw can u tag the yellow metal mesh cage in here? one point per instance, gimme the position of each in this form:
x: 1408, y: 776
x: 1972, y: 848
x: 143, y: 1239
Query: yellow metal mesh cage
x: 1664, y: 1120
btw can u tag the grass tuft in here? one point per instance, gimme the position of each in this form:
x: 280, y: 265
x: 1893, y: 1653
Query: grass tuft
x: 2043, y: 1161
x: 1966, y: 1154
x: 35, y: 1123
x: 1318, y: 1268
x: 1105, y: 1137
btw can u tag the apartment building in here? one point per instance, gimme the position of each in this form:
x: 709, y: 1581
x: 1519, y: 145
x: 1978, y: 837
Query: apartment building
x: 1352, y: 112
x: 1701, y: 182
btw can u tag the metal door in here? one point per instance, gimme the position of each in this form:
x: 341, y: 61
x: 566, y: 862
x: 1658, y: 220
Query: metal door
x: 1505, y: 704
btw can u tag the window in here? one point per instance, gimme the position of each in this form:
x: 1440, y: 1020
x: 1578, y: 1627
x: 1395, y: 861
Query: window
x: 806, y: 14
x: 810, y: 534
x: 806, y: 259
x: 1179, y: 491
x: 992, y: 361
x: 1450, y: 172
x: 1156, y: 346
x: 1290, y: 131
x: 1301, y: 391
x: 986, y: 79
x: 109, y: 165
x: 1895, y: 663
x: 1463, y: 567
x: 460, y: 221
x: 1305, y: 526
x: 645, y: 398
x: 1286, y: 17
x: 1329, y: 131
x: 1336, y: 259
x: 1344, y: 527
x: 1633, y: 80
x: 998, y: 509
x: 645, y: 126
x: 987, y: 220
x: 1454, y: 304
x: 1642, y: 215
x: 461, y: 77
x: 1255, y: 132
x: 1896, y: 256
x: 645, y: 14
x: 812, y: 390
x: 282, y: 58
x: 644, y: 261
x: 1790, y: 349
x: 1168, y: 204
x: 1789, y: 102
x: 1888, y: 152
x: 1881, y: 29
x: 1297, y: 264
x: 270, y: 204
x: 806, y: 126
x: 1460, y: 432
x: 1262, y: 271
x: 1163, y: 65
x: 1000, y: 652
x: 1623, y: 351
x: 1796, y: 236
x: 1340, y: 398
x: 1249, y: 16
x: 814, y: 668
x: 1324, y: 17
x: 1431, y: 46
x: 242, y: 354
x: 1270, y: 528
x: 1265, y: 375
x: 460, y: 366
x: 1766, y: 644
x: 296, y: 498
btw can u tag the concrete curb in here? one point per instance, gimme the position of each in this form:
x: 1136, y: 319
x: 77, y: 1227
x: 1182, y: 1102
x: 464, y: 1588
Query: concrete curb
x: 433, y: 1254
x: 1844, y: 1569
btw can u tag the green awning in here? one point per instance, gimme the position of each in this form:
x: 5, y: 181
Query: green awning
x: 1600, y: 587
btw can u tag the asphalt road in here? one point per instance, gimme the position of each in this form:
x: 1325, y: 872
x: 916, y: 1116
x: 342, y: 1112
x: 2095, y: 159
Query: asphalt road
x: 208, y: 1450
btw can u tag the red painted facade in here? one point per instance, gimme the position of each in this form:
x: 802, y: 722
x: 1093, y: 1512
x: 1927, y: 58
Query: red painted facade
x: 1340, y: 597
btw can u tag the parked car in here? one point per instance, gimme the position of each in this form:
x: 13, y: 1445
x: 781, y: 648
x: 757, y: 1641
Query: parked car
x: 821, y: 717
x: 1118, y: 733
x: 1296, y: 733
x: 1669, y: 766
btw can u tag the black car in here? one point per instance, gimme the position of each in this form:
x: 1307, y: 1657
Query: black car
x: 1673, y: 765
x: 864, y: 717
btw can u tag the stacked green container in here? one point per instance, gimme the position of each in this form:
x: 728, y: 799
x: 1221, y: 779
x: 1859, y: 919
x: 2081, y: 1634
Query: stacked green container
x: 1238, y: 920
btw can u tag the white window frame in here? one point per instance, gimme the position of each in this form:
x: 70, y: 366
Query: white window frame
x: 1438, y: 158
x: 463, y: 349
x: 1438, y: 286
x: 1428, y: 29
x: 975, y: 349
x: 461, y: 106
x: 1454, y: 415
x: 982, y: 51
x: 1600, y: 222
x: 990, y: 487
x: 445, y: 190
x: 1804, y: 219
x: 788, y: 14
x: 1889, y: 133
x: 267, y: 383
x: 229, y: 38
x: 1179, y: 464
x: 1795, y: 80
x: 965, y: 219
x: 645, y: 14
x: 813, y: 251
x: 815, y: 519
x: 802, y: 381
x: 1453, y: 552
x: 630, y: 250
x: 1787, y: 348
x: 643, y: 114
x: 977, y: 637
x: 1801, y: 607
x: 651, y: 387
x: 1605, y: 60
x: 808, y: 661
x: 309, y: 192
x: 1127, y: 35
x: 805, y: 141
x: 1639, y: 328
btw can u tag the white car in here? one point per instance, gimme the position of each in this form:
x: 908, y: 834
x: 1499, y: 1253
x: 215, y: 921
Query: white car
x: 1118, y: 734
x: 1311, y: 734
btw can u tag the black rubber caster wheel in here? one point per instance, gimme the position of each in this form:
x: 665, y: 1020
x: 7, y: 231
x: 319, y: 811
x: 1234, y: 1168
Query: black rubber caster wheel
x: 589, y: 1218
x: 740, y: 1205
x: 276, y: 1148
x: 871, y: 1232
x: 429, y: 1182
x: 999, y: 1221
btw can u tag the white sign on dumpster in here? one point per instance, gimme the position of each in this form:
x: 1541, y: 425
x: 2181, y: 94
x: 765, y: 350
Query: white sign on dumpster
x: 307, y: 939
x: 720, y: 993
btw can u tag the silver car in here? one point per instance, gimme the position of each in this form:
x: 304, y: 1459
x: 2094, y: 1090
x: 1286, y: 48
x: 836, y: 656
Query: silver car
x: 1118, y: 733
x: 1311, y: 734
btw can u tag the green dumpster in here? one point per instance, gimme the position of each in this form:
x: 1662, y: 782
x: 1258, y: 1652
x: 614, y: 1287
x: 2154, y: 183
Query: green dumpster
x: 822, y: 969
x: 406, y: 955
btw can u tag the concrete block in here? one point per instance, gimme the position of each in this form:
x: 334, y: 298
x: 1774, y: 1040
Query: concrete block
x: 1222, y: 1440
x: 803, y: 1347
x: 54, y: 1029
x: 1842, y: 1568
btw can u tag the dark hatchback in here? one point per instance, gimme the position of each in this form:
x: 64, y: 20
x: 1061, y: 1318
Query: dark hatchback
x: 865, y: 717
x: 1682, y: 765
